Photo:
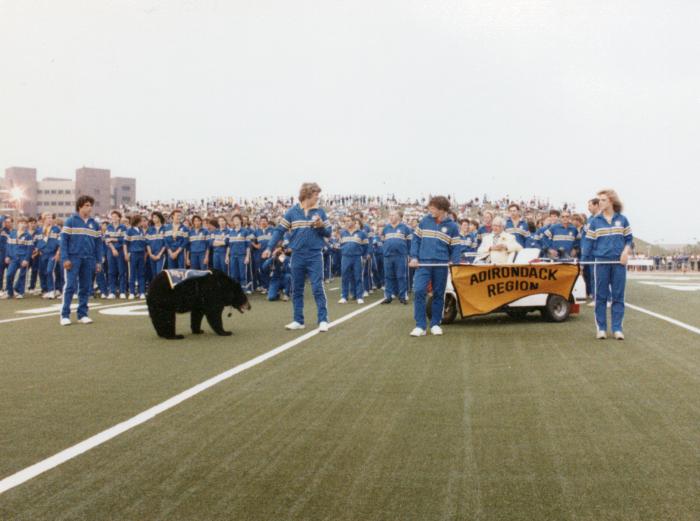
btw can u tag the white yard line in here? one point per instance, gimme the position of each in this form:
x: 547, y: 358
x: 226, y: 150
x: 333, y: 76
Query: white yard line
x: 28, y: 473
x: 673, y: 321
x: 57, y: 313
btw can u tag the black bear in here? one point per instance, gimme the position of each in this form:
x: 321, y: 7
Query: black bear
x: 202, y: 293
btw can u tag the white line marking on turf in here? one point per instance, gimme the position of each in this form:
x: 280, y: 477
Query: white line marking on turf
x: 98, y: 439
x: 673, y: 321
x: 57, y: 313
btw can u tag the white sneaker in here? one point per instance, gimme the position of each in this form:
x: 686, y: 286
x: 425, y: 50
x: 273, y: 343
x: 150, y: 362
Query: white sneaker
x: 365, y: 294
x: 65, y: 321
x: 131, y: 296
x: 85, y: 320
x: 418, y: 332
x: 294, y: 326
x: 47, y: 295
x: 19, y: 296
x: 601, y: 335
x: 343, y: 301
x: 142, y: 297
x: 323, y: 327
x: 591, y: 304
x: 618, y: 335
x: 436, y: 330
x: 360, y: 301
x: 122, y: 296
x: 111, y: 296
x: 4, y: 296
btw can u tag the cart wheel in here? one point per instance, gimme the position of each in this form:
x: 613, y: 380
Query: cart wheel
x: 557, y: 309
x: 449, y: 313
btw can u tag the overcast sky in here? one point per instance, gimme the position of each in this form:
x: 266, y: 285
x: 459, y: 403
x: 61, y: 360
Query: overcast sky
x: 201, y: 98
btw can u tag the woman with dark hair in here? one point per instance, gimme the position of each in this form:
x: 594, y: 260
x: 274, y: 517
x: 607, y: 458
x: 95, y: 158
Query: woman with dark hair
x: 135, y: 255
x: 239, y: 252
x: 155, y: 243
x: 611, y: 239
x: 176, y: 240
x: 199, y: 245
x: 219, y: 244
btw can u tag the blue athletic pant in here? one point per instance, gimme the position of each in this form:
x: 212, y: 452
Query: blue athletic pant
x: 78, y: 278
x: 219, y: 261
x: 34, y: 264
x: 156, y: 266
x: 176, y: 263
x: 197, y: 260
x: 279, y: 284
x: 395, y: 282
x: 137, y: 272
x: 424, y: 277
x: 351, y: 276
x: 51, y: 282
x: 3, y: 268
x: 588, y: 275
x: 43, y: 279
x: 238, y: 270
x: 117, y: 271
x: 12, y: 286
x: 610, y: 281
x: 311, y: 265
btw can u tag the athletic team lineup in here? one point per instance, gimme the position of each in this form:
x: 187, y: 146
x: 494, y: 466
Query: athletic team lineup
x: 118, y: 259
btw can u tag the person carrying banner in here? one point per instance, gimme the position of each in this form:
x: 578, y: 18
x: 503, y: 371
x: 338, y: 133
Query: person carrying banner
x: 611, y: 243
x: 435, y: 241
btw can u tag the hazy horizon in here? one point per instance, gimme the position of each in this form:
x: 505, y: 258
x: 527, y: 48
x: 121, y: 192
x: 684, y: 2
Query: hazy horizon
x: 202, y: 99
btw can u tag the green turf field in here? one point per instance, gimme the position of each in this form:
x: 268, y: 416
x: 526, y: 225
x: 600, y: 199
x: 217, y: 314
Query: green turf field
x: 499, y: 419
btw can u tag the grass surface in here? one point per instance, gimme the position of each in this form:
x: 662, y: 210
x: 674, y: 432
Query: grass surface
x: 497, y: 419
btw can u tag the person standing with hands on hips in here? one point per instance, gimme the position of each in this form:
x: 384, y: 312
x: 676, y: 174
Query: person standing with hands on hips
x: 308, y: 226
x: 610, y: 237
x: 80, y: 257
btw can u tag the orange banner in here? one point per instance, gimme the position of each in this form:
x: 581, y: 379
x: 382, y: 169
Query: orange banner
x: 484, y: 288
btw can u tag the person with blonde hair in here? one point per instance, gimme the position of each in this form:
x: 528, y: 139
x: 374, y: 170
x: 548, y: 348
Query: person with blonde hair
x: 308, y: 226
x: 610, y: 237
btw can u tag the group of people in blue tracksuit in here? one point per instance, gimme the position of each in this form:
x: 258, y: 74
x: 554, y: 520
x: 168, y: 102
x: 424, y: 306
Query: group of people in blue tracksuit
x: 120, y: 256
x: 28, y: 247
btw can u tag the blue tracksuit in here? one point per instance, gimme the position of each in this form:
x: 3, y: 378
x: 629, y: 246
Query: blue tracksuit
x: 176, y: 240
x: 537, y: 239
x: 608, y: 241
x: 52, y: 241
x: 395, y: 254
x: 520, y: 231
x: 199, y: 246
x: 155, y: 240
x: 481, y: 231
x: 587, y: 256
x: 19, y: 249
x: 353, y: 247
x: 306, y: 243
x: 468, y: 244
x: 278, y: 275
x: 116, y: 264
x: 219, y: 245
x: 261, y: 277
x: 563, y: 239
x: 136, y: 248
x: 80, y: 244
x: 433, y: 243
x: 4, y: 235
x: 239, y: 243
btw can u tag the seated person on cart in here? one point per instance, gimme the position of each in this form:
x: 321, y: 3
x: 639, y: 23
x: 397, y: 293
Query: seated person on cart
x: 498, y: 245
